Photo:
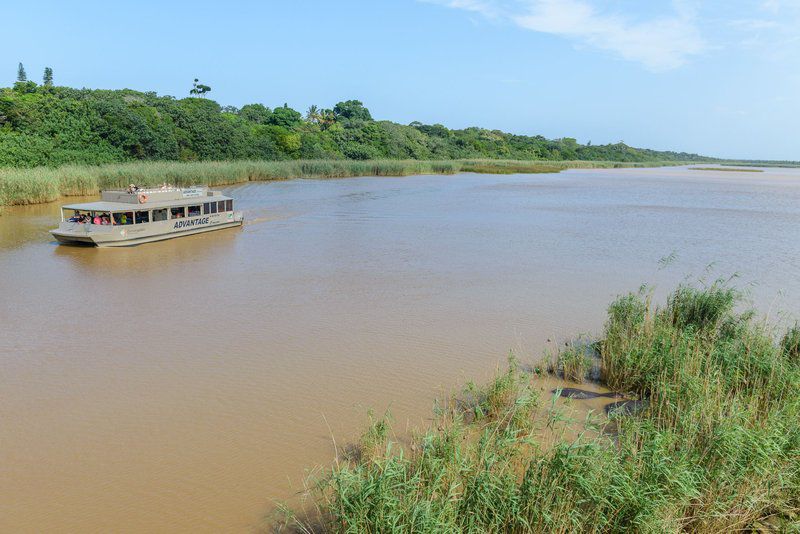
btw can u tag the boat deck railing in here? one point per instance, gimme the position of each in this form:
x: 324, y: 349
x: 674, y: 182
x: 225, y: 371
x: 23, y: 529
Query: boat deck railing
x: 86, y: 228
x: 152, y: 189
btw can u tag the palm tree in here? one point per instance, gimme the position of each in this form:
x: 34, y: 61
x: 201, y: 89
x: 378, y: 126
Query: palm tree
x: 312, y: 115
x: 326, y: 118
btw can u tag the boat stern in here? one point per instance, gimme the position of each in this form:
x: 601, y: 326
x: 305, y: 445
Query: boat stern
x: 71, y: 239
x: 74, y: 233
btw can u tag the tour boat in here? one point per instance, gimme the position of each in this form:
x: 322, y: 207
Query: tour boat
x: 135, y: 216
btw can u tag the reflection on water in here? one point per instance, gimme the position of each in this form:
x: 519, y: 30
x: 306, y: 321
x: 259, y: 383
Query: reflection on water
x: 161, y: 256
x: 20, y: 225
x: 185, y: 385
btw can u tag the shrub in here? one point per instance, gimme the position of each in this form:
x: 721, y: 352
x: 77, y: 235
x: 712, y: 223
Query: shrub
x: 790, y: 344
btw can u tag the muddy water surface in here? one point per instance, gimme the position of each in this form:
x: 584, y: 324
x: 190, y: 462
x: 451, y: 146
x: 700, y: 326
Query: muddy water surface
x: 187, y: 385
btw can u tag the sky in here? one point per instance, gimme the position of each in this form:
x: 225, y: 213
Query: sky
x: 719, y: 78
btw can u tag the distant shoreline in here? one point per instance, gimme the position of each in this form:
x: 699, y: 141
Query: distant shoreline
x: 19, y: 186
x: 724, y: 169
x: 778, y: 164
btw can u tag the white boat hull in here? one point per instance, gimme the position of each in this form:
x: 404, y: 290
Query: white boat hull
x: 70, y: 233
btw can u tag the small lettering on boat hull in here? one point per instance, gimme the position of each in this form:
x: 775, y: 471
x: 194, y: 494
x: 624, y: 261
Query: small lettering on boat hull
x: 192, y: 222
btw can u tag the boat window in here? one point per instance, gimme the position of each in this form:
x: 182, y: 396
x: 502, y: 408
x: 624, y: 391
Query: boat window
x: 194, y: 211
x: 213, y: 207
x: 177, y: 213
x: 221, y: 206
x: 123, y: 218
x: 80, y: 216
x: 229, y: 205
x: 142, y: 217
x: 207, y: 208
x: 160, y: 215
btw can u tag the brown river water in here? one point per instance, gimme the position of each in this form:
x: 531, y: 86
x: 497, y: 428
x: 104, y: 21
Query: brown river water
x: 190, y: 384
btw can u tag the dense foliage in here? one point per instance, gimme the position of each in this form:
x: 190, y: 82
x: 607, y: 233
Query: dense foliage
x: 46, y: 125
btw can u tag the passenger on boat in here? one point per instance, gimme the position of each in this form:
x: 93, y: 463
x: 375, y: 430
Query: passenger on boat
x: 76, y: 217
x: 133, y: 188
x: 97, y: 219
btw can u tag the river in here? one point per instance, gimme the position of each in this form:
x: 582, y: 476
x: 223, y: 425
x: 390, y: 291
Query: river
x: 190, y: 384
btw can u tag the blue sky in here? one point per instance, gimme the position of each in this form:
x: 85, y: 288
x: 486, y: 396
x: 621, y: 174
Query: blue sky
x: 719, y: 78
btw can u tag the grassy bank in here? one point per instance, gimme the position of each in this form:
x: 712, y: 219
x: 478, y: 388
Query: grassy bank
x: 43, y: 184
x: 726, y: 169
x: 760, y: 163
x: 715, y: 449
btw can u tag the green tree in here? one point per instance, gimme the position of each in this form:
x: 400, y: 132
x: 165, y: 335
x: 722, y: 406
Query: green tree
x: 351, y: 110
x: 285, y: 116
x: 47, y: 79
x: 199, y: 89
x: 289, y: 143
x: 21, y: 76
x: 257, y: 113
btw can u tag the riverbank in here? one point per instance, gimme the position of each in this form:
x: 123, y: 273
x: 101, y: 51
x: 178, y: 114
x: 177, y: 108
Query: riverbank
x: 44, y: 184
x: 726, y: 169
x: 714, y: 445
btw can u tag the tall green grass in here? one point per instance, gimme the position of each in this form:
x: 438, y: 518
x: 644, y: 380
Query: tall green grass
x: 43, y: 184
x: 717, y: 448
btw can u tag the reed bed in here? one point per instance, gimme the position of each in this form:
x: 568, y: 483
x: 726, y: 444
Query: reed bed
x: 715, y: 449
x: 43, y: 184
x: 732, y: 169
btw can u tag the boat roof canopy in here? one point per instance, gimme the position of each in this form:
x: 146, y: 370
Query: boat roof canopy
x: 125, y: 206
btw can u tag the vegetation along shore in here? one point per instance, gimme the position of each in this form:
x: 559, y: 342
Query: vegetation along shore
x: 44, y: 184
x: 58, y: 141
x: 712, y: 446
x: 726, y: 169
x: 48, y: 125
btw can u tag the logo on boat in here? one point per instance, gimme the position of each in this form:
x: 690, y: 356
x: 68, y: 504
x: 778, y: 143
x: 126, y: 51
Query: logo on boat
x: 194, y: 192
x: 188, y: 223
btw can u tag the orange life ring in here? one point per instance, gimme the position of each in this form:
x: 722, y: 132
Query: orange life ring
x: 142, y: 198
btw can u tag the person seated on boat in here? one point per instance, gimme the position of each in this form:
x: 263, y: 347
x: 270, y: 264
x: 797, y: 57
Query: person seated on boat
x: 105, y: 219
x: 75, y: 217
x: 96, y: 219
x: 123, y: 218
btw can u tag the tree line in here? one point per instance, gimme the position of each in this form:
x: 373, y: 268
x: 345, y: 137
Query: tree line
x: 53, y: 125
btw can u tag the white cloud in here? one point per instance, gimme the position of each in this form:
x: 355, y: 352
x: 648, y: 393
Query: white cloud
x: 660, y: 43
x: 768, y: 31
x: 754, y: 24
x: 486, y: 8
